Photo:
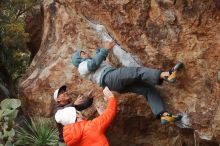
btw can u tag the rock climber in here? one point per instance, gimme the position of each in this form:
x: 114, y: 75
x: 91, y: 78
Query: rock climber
x: 140, y: 80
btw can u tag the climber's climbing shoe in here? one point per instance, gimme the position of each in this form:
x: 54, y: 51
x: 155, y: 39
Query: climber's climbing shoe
x: 169, y: 119
x: 173, y: 72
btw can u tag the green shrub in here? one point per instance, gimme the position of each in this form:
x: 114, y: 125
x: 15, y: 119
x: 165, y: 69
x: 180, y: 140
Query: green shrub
x: 37, y: 132
x: 8, y: 112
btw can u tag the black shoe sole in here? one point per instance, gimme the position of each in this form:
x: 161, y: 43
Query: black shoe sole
x: 178, y: 66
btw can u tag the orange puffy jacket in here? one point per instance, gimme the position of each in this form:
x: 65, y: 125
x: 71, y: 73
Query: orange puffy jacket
x: 91, y: 132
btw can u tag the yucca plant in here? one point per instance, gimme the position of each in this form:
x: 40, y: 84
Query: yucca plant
x: 37, y: 132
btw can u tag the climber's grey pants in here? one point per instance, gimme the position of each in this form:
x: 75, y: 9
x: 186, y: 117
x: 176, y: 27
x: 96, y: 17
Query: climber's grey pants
x: 140, y: 80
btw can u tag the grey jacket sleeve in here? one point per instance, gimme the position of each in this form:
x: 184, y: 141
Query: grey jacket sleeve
x: 93, y: 63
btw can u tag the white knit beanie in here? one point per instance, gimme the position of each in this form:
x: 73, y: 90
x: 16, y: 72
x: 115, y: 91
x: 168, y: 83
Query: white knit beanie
x: 66, y: 116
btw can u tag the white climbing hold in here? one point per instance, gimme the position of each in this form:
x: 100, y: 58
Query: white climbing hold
x: 185, y: 121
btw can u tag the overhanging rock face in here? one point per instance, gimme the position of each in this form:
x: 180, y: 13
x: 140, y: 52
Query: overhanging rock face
x: 152, y: 33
